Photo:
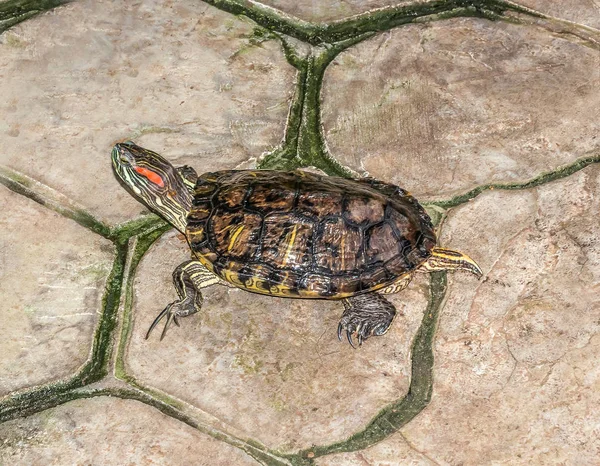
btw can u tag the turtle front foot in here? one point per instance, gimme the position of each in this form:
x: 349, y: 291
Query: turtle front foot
x: 173, y: 312
x: 366, y: 315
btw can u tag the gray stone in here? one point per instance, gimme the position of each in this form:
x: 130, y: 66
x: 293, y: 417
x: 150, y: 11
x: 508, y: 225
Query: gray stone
x: 272, y: 368
x: 440, y: 108
x: 52, y: 277
x: 110, y: 431
x: 182, y: 79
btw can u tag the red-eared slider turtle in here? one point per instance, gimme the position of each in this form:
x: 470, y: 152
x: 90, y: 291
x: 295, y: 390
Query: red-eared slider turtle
x: 290, y: 234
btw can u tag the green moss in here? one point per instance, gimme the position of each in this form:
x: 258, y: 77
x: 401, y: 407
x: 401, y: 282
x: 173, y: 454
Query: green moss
x: 142, y: 245
x: 398, y: 414
x: 538, y: 180
x: 12, y: 12
x: 139, y: 226
x: 12, y: 40
x: 25, y: 186
x: 303, y: 145
x: 50, y: 395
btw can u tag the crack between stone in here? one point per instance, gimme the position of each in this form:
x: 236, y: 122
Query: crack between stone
x: 414, y: 448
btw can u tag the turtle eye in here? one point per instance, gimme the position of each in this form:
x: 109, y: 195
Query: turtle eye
x: 124, y: 159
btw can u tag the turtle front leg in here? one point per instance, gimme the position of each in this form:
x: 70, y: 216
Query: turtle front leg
x: 189, y: 278
x: 366, y: 315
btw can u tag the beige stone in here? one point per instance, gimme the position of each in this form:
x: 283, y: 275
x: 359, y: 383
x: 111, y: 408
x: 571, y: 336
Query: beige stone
x: 52, y: 277
x: 585, y: 12
x: 330, y: 10
x: 391, y: 452
x: 515, y: 377
x: 443, y: 107
x: 110, y: 431
x: 180, y: 78
x: 270, y: 367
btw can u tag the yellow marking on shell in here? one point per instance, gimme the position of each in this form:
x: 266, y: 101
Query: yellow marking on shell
x: 233, y: 278
x: 398, y: 285
x: 234, y: 237
x: 256, y: 285
x: 342, y: 249
x: 199, y: 231
x: 205, y: 262
x: 290, y: 245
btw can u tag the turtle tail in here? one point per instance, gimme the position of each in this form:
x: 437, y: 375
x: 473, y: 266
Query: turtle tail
x: 447, y: 259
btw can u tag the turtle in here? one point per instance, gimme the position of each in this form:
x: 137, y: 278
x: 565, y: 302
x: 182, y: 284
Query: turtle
x: 291, y: 234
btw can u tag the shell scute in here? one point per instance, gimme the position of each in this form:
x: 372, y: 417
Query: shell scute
x: 337, y: 246
x: 319, y: 204
x: 235, y: 234
x: 270, y: 198
x: 286, y: 242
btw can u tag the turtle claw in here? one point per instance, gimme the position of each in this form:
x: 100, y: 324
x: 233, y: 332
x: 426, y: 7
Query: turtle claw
x: 159, y: 317
x: 170, y: 319
x: 340, y: 329
x: 173, y: 312
x: 365, y: 317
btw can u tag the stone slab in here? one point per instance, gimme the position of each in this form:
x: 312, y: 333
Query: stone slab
x: 391, y: 452
x: 110, y: 431
x: 272, y: 368
x: 516, y: 378
x: 443, y: 107
x: 52, y: 277
x: 586, y: 12
x: 330, y: 10
x: 183, y: 79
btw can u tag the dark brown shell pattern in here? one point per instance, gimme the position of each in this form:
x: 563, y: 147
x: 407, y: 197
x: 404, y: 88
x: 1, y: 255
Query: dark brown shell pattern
x: 299, y: 234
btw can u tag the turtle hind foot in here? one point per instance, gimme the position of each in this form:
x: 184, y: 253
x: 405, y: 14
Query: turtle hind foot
x: 173, y: 312
x: 366, y: 315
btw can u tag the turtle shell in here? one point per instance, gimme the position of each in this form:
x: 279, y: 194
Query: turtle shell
x: 299, y: 234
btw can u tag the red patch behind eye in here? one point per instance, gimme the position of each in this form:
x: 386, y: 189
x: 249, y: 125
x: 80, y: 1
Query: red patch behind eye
x: 153, y: 177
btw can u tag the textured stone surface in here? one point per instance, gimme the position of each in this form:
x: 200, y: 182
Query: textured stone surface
x: 516, y: 357
x: 439, y: 108
x: 180, y: 78
x: 581, y: 11
x: 110, y: 431
x: 52, y: 275
x: 330, y: 10
x: 392, y: 452
x: 271, y: 367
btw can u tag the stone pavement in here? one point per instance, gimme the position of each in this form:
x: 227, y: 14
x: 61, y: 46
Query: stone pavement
x: 488, y: 111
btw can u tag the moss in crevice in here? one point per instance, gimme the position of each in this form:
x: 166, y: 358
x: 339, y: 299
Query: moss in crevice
x: 399, y: 413
x: 538, y: 180
x: 381, y: 19
x: 53, y: 394
x: 252, y: 448
x: 12, y: 12
x: 142, y: 245
x: 304, y: 144
x: 26, y: 186
x: 139, y: 226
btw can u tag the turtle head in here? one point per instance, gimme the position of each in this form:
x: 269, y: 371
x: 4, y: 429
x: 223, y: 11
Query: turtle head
x: 151, y: 179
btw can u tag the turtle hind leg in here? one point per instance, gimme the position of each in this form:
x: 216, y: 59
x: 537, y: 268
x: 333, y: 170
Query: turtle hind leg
x: 447, y: 259
x: 189, y: 278
x: 366, y: 315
